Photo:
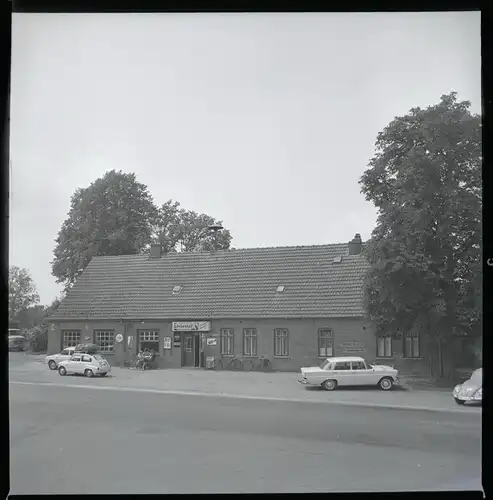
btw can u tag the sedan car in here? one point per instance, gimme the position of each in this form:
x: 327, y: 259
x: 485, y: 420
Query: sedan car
x: 85, y: 364
x: 54, y: 359
x: 471, y: 390
x: 349, y: 371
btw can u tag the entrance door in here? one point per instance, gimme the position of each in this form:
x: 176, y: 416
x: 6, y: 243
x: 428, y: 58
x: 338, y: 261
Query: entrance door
x: 191, y: 345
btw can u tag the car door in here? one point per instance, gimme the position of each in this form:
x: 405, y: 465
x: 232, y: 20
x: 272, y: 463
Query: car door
x: 86, y: 362
x: 342, y: 373
x: 360, y: 374
x: 65, y: 355
x: 74, y: 365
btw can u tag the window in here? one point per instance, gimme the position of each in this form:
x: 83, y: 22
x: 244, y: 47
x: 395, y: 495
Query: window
x: 345, y: 365
x: 384, y: 347
x: 75, y: 358
x: 70, y: 338
x: 66, y: 352
x: 250, y: 342
x: 281, y: 342
x: 188, y: 344
x: 411, y: 345
x: 149, y: 339
x: 227, y: 341
x: 358, y: 365
x: 105, y: 339
x: 86, y: 358
x: 325, y: 343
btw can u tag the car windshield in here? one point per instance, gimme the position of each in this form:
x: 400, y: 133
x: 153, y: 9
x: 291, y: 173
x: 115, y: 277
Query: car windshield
x: 98, y: 357
x: 477, y: 376
x: 325, y: 365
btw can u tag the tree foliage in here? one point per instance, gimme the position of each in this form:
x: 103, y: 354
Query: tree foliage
x: 177, y: 229
x: 425, y: 180
x: 113, y: 216
x: 22, y: 292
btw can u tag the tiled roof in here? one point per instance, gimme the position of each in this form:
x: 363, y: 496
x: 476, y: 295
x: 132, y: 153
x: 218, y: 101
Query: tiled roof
x: 223, y: 284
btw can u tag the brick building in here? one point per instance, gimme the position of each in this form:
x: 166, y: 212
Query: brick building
x: 293, y: 305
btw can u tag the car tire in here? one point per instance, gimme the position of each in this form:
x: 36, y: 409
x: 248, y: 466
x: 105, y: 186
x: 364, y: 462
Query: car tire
x: 52, y: 365
x: 89, y: 373
x: 62, y: 371
x: 386, y: 384
x: 459, y: 401
x: 329, y: 385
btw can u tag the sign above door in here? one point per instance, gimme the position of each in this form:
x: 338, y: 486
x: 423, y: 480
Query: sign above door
x: 191, y: 326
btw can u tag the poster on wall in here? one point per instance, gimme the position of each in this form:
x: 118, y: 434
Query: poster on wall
x: 130, y: 339
x: 177, y: 340
x: 212, y: 341
x: 167, y: 343
x: 353, y: 347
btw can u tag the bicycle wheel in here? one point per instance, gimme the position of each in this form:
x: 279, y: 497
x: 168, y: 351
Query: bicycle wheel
x: 248, y: 365
x: 235, y: 364
x: 266, y: 365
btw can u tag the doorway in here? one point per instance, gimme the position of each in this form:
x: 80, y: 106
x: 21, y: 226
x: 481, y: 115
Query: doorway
x: 191, y: 350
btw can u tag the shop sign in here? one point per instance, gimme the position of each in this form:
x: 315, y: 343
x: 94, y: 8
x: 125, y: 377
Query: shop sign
x: 348, y: 347
x: 119, y: 338
x: 191, y: 326
x: 167, y: 343
x: 212, y: 341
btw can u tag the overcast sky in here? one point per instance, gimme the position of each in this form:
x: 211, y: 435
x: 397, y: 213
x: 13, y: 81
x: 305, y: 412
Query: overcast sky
x: 265, y: 121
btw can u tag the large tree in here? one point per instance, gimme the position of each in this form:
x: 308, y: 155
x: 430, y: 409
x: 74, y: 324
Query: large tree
x: 425, y: 180
x: 113, y: 216
x: 183, y: 230
x: 22, y: 292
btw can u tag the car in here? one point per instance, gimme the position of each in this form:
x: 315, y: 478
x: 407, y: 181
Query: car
x: 17, y: 343
x: 349, y: 371
x: 471, y: 390
x: 85, y: 364
x: 54, y: 360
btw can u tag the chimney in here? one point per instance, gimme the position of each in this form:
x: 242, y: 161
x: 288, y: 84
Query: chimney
x: 155, y: 251
x: 355, y: 245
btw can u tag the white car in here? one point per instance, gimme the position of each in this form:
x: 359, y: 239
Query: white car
x: 85, y: 364
x: 347, y: 371
x: 55, y: 359
x: 471, y: 390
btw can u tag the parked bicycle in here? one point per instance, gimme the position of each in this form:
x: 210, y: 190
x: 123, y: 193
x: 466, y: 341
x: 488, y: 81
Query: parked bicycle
x: 260, y: 364
x: 235, y: 363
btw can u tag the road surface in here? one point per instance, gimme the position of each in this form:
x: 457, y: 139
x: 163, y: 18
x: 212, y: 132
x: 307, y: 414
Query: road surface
x: 73, y: 440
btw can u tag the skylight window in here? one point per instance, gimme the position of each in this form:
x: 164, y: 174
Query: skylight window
x: 177, y: 289
x: 280, y: 288
x: 337, y: 260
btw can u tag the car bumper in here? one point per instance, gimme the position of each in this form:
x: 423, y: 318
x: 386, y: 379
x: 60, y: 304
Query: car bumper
x: 303, y: 381
x: 468, y: 398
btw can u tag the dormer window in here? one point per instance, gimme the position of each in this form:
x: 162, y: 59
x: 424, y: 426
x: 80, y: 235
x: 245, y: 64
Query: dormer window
x: 280, y: 288
x: 177, y: 289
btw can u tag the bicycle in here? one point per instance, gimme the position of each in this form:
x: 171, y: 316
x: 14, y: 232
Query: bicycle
x: 235, y: 364
x: 262, y: 364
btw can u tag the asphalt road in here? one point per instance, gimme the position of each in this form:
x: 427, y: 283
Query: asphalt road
x: 90, y: 441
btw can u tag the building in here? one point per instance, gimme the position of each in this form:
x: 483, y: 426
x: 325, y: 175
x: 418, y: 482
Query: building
x: 293, y: 305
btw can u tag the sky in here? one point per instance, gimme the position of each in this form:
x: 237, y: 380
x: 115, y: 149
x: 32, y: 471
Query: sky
x: 264, y: 121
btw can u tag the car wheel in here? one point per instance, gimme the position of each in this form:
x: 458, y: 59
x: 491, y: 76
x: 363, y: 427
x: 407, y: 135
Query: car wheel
x: 386, y: 384
x: 52, y: 365
x: 329, y: 385
x: 62, y: 371
x: 459, y: 401
x: 89, y: 373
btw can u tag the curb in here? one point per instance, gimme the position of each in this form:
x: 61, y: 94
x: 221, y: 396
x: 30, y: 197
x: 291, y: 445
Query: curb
x: 260, y: 398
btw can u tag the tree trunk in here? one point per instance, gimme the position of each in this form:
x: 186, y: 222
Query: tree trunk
x: 440, y: 358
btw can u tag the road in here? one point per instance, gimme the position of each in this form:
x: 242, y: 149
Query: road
x: 72, y: 440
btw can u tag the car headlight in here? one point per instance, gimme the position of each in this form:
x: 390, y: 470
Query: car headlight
x: 456, y: 389
x: 478, y: 394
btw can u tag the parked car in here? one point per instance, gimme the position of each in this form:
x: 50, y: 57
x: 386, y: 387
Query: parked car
x: 17, y: 343
x: 471, y: 390
x: 54, y: 360
x: 85, y: 364
x: 349, y: 371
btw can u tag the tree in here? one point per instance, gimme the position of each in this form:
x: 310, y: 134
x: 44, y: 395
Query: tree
x: 177, y: 229
x: 22, y: 292
x: 113, y: 216
x: 425, y: 180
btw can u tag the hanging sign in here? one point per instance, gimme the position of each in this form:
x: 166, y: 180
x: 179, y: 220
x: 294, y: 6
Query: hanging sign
x: 119, y: 338
x: 191, y: 326
x: 167, y: 343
